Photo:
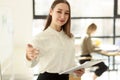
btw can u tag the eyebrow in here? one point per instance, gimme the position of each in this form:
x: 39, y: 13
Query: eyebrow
x: 66, y: 10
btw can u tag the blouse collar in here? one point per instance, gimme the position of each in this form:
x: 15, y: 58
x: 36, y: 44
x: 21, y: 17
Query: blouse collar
x: 53, y: 30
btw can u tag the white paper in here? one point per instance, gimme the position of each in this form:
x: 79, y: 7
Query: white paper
x: 85, y: 65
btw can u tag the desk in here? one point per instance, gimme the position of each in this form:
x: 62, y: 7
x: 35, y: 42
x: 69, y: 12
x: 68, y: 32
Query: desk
x: 111, y: 54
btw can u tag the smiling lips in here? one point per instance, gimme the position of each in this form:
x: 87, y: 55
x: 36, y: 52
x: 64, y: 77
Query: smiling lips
x: 62, y: 21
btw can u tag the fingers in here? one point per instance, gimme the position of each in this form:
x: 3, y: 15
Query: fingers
x: 29, y: 45
x: 31, y: 52
x: 80, y: 72
x: 31, y: 48
x: 31, y: 55
x: 36, y: 51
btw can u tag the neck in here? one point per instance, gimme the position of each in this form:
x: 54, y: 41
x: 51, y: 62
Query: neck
x: 57, y: 28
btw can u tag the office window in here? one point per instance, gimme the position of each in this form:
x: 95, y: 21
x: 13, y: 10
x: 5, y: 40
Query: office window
x: 117, y: 42
x: 80, y: 8
x: 106, y: 40
x: 117, y: 27
x: 79, y: 26
x: 42, y: 6
x: 38, y: 26
x: 91, y: 8
x: 118, y: 7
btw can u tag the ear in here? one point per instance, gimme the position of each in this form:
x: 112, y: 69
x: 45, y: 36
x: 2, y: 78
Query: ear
x: 51, y: 12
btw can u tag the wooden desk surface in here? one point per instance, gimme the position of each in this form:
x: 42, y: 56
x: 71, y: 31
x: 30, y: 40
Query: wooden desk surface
x: 111, y: 54
x: 116, y: 53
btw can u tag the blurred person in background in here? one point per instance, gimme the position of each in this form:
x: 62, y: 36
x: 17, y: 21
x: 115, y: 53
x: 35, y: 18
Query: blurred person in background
x: 87, y: 47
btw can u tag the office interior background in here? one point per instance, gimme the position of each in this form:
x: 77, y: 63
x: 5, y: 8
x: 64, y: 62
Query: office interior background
x: 22, y: 19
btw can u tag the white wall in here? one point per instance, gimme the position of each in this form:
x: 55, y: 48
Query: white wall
x: 22, y: 19
x: 21, y: 11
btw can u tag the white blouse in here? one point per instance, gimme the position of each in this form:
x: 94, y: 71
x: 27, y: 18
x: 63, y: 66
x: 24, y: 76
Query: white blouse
x: 57, y: 51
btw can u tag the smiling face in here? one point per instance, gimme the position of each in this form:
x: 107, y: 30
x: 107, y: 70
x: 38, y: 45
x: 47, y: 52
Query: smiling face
x: 60, y: 14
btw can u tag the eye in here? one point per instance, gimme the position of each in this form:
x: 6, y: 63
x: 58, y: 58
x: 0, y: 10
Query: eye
x: 67, y: 13
x: 59, y: 12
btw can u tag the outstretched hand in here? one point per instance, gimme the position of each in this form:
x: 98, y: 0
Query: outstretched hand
x: 31, y: 52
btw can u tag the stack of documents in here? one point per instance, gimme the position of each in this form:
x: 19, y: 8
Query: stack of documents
x: 85, y: 65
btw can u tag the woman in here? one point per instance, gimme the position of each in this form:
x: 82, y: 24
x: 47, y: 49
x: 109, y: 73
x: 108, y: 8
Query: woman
x: 88, y: 48
x: 54, y: 47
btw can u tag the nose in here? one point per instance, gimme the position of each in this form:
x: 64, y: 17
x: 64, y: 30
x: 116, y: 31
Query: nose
x: 62, y: 15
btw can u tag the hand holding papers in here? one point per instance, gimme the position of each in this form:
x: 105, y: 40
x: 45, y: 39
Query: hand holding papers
x: 85, y: 65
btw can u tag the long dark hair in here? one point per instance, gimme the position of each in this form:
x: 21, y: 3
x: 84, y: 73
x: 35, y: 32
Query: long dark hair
x: 67, y: 25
